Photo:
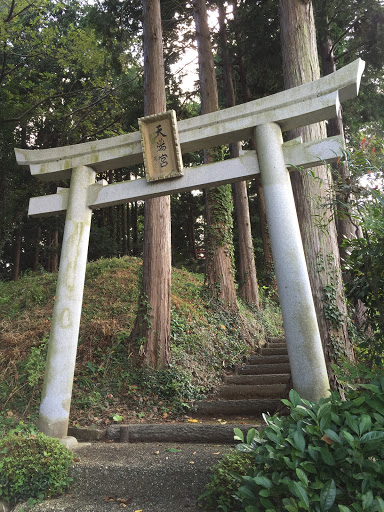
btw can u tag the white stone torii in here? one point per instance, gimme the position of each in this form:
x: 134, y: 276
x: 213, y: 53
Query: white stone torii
x: 263, y: 119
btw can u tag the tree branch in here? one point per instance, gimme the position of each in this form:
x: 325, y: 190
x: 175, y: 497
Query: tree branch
x: 9, y: 17
x: 100, y: 130
x: 341, y: 37
x: 41, y: 102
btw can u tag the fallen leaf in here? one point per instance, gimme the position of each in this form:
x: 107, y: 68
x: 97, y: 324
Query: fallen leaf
x: 327, y: 439
x: 191, y: 462
x: 216, y: 453
x: 193, y: 421
x: 156, y: 453
x: 174, y: 450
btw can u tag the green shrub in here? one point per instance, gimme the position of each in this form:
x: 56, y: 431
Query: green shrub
x: 32, y: 466
x: 325, y: 456
x: 225, y: 481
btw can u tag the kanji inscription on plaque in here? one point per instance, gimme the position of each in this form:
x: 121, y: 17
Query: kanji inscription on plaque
x: 161, y: 147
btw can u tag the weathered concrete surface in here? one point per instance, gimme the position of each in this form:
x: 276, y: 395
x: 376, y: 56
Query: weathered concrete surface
x: 88, y: 434
x: 209, y: 175
x: 306, y: 357
x: 263, y: 369
x: 227, y: 408
x: 306, y: 104
x: 145, y: 477
x: 62, y: 347
x: 261, y: 359
x: 274, y: 351
x: 251, y: 391
x: 180, y: 433
x: 282, y: 378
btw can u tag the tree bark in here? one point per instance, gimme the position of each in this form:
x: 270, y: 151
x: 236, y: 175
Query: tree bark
x: 248, y: 286
x: 135, y: 243
x: 55, y: 251
x: 345, y: 228
x: 247, y: 96
x: 191, y: 229
x: 153, y: 322
x: 16, y: 255
x: 36, y: 249
x: 219, y: 250
x: 317, y: 225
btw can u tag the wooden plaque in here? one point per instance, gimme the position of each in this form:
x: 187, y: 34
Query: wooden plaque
x: 161, y: 147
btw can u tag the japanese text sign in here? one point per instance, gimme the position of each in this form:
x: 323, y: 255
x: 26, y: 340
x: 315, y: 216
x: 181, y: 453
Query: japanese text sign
x: 161, y: 148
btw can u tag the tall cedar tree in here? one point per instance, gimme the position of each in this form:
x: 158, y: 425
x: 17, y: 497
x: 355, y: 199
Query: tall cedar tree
x: 153, y: 321
x: 246, y: 95
x: 318, y: 229
x: 219, y: 267
x: 248, y: 286
x: 345, y: 226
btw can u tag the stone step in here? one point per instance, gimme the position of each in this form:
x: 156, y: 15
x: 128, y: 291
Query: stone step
x: 262, y: 369
x: 175, y: 432
x: 228, y: 408
x: 276, y: 340
x: 240, y: 391
x: 268, y: 359
x: 282, y: 378
x: 276, y: 345
x: 274, y: 351
x: 144, y: 476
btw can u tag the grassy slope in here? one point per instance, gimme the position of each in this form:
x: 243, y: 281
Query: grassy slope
x: 108, y: 380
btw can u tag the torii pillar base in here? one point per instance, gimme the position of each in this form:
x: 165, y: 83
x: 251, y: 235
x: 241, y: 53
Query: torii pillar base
x: 306, y: 357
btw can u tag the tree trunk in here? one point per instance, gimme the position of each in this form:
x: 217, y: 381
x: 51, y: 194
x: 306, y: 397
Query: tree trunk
x: 248, y: 286
x: 345, y: 228
x: 247, y: 96
x: 219, y: 205
x: 153, y: 322
x: 135, y: 243
x: 16, y: 255
x: 36, y: 249
x: 191, y: 229
x: 55, y: 251
x: 300, y: 65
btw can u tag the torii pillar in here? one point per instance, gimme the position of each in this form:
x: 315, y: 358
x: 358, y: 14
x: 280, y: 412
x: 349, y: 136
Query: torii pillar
x: 305, y: 352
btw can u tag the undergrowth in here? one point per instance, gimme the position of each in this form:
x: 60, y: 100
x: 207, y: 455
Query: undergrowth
x: 323, y: 456
x: 109, y: 384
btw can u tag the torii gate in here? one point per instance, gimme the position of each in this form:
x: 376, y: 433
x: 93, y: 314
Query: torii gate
x: 263, y: 119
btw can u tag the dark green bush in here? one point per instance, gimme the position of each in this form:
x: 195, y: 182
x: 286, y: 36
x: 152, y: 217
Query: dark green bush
x: 325, y: 456
x: 225, y: 482
x: 32, y: 466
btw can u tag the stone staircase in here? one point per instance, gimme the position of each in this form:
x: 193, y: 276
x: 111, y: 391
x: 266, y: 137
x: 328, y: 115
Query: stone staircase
x: 257, y: 386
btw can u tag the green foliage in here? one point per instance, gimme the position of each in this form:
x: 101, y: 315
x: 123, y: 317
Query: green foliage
x: 109, y: 378
x: 325, y: 456
x: 32, y: 466
x: 365, y: 263
x: 225, y: 481
x: 11, y: 425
